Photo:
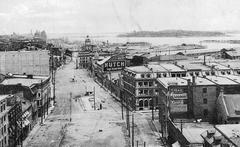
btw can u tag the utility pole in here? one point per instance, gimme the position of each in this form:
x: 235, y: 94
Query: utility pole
x: 94, y: 97
x: 152, y: 108
x: 127, y: 119
x: 54, y: 87
x: 41, y: 105
x: 70, y: 101
x: 121, y: 97
x: 122, y: 108
x: 110, y: 82
x: 132, y: 129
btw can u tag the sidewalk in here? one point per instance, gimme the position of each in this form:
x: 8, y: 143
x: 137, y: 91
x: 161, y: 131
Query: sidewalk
x: 37, y: 127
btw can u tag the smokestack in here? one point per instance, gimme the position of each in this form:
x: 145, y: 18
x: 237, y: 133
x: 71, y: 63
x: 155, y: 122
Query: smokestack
x: 204, y: 60
x: 193, y: 80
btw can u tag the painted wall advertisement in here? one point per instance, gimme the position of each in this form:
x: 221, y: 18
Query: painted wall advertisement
x: 178, y: 102
x: 114, y: 65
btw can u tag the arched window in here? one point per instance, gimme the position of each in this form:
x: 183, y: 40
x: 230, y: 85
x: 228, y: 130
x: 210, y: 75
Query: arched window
x: 146, y: 103
x: 140, y: 103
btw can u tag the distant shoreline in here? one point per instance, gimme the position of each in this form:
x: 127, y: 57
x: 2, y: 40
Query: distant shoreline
x: 173, y: 33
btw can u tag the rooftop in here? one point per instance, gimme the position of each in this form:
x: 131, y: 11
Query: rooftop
x: 232, y: 103
x: 171, y: 67
x: 138, y: 69
x: 233, y: 77
x: 231, y: 131
x: 221, y: 80
x: 23, y: 81
x: 166, y: 82
x: 192, y: 131
x: 200, y: 81
x: 234, y: 64
x: 188, y: 65
x: 217, y: 66
x: 156, y: 68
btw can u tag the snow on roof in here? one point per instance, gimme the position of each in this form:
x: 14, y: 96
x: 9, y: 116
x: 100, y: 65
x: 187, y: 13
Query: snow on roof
x: 232, y: 102
x: 221, y: 80
x: 104, y: 60
x: 200, y: 81
x: 168, y: 81
x: 231, y: 131
x: 171, y: 67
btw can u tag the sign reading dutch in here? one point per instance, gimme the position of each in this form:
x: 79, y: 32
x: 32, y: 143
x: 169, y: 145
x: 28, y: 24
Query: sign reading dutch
x: 114, y: 65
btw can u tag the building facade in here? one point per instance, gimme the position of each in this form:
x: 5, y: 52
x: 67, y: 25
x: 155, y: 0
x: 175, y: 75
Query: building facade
x: 139, y: 84
x: 4, y: 123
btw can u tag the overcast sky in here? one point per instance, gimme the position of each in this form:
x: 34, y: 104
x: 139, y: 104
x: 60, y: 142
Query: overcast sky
x: 97, y: 16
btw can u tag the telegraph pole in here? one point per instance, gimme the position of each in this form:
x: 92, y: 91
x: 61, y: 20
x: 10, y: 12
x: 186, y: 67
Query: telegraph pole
x: 41, y: 105
x: 94, y: 97
x: 152, y: 108
x: 132, y: 129
x: 70, y: 101
x: 127, y: 119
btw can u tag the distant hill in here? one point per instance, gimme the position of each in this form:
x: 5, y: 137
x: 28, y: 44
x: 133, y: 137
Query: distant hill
x: 172, y: 33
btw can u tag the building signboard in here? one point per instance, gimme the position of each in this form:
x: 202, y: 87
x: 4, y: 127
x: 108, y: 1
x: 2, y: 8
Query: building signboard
x: 178, y: 106
x: 114, y: 65
x: 177, y: 103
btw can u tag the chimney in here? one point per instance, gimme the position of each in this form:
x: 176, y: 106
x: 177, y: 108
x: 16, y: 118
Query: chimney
x: 29, y: 76
x: 188, y: 82
x: 210, y: 133
x: 204, y: 60
x: 193, y: 80
x: 217, y: 140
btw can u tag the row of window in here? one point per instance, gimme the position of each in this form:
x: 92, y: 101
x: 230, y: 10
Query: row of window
x: 3, y: 130
x: 3, y: 119
x: 145, y: 84
x: 145, y: 92
x: 3, y: 107
x: 3, y: 142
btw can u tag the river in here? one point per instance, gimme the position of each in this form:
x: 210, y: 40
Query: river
x: 156, y: 40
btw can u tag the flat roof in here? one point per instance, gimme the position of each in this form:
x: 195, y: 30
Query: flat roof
x: 234, y: 64
x: 138, y: 69
x: 200, y: 81
x: 157, y: 68
x: 189, y: 65
x: 23, y: 81
x: 231, y: 131
x: 168, y: 81
x: 221, y: 80
x: 217, y: 66
x: 171, y: 67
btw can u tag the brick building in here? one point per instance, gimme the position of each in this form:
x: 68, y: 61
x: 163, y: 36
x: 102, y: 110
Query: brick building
x: 4, y: 123
x: 35, y: 89
x: 139, y: 83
